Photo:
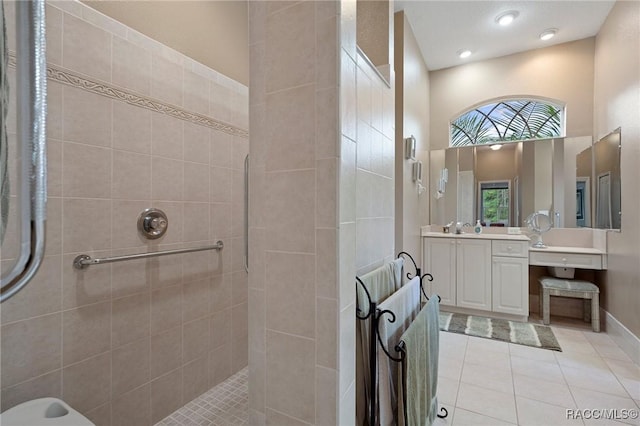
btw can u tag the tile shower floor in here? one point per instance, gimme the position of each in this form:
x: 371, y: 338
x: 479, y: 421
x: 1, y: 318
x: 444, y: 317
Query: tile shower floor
x: 487, y: 382
x: 225, y: 404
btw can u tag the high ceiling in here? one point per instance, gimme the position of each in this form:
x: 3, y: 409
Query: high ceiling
x: 444, y: 28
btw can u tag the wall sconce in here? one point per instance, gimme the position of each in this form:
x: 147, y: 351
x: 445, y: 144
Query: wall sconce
x: 417, y: 171
x: 410, y: 148
x: 442, y: 183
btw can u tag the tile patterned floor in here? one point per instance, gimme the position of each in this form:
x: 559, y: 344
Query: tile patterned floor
x: 487, y: 382
x: 223, y: 405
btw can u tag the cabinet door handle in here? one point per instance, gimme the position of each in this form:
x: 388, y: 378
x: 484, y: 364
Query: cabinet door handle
x: 564, y: 259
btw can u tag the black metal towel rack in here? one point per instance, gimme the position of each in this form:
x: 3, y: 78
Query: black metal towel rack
x: 374, y: 315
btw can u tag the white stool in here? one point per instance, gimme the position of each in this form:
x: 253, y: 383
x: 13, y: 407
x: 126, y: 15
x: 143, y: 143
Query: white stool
x: 570, y: 288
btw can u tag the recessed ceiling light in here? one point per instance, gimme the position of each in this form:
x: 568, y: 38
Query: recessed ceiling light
x: 496, y: 147
x: 464, y: 53
x: 506, y: 18
x: 548, y: 34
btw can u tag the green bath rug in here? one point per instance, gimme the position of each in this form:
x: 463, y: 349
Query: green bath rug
x: 522, y: 333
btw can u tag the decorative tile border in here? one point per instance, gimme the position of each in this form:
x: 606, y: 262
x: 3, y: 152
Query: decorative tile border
x: 70, y: 78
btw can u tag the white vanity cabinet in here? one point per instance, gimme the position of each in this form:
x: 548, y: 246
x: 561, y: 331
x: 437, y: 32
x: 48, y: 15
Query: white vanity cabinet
x: 473, y: 274
x: 480, y: 272
x: 510, y: 277
x: 440, y: 261
x: 461, y: 269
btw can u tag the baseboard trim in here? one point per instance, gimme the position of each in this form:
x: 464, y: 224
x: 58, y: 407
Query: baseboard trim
x: 628, y: 342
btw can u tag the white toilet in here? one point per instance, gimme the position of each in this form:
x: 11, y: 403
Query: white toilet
x: 43, y: 412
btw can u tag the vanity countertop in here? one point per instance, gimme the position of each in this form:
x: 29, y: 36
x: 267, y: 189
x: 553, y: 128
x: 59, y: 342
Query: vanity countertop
x: 561, y: 249
x: 470, y: 235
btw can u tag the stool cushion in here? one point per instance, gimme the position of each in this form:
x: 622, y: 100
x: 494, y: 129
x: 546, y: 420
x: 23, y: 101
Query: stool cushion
x: 569, y: 285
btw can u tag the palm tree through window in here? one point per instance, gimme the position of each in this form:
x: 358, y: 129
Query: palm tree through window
x: 507, y: 120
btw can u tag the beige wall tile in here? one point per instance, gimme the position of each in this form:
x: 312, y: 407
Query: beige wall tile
x: 54, y: 35
x: 291, y: 132
x: 220, y: 149
x: 256, y: 321
x: 166, y: 395
x: 100, y: 416
x: 54, y: 226
x: 348, y: 181
x: 347, y: 356
x: 87, y: 171
x: 348, y: 96
x: 167, y: 136
x: 280, y: 419
x: 87, y: 286
x: 166, y: 352
x: 166, y: 80
x: 220, y: 330
x: 291, y: 47
x: 47, y: 385
x: 131, y: 176
x: 287, y: 229
x: 365, y: 134
x: 201, y: 265
x: 42, y: 296
x: 327, y: 263
x: 295, y: 396
x: 86, y: 332
x: 195, y: 339
x: 327, y: 332
x: 130, y: 319
x: 86, y: 48
x: 131, y: 128
x: 130, y: 367
x: 54, y: 168
x: 166, y: 179
x: 80, y: 215
x: 239, y: 348
x: 166, y: 308
x: 87, y: 117
x: 220, y: 220
x: 219, y: 100
x: 197, y: 142
x: 195, y: 299
x: 327, y: 130
x: 364, y: 92
x: 327, y: 45
x: 220, y: 298
x: 55, y: 117
x: 31, y: 348
x: 347, y: 256
x: 87, y: 384
x: 124, y: 218
x: 196, y: 92
x: 220, y: 185
x: 327, y: 402
x: 327, y: 193
x: 219, y: 364
x: 131, y: 66
x: 257, y: 245
x: 132, y: 408
x: 239, y: 287
x: 195, y: 379
x: 196, y: 182
x: 290, y: 298
x: 257, y: 376
x: 196, y: 221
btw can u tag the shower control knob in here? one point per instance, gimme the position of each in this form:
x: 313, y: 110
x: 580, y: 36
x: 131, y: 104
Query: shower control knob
x: 153, y: 223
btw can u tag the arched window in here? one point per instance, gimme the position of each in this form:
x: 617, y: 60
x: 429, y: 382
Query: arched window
x: 507, y: 120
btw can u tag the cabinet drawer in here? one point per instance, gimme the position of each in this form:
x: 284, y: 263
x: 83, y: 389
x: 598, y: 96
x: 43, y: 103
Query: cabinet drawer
x: 573, y: 260
x: 509, y: 248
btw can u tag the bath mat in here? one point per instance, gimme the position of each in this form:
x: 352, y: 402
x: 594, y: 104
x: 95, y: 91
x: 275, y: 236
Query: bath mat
x: 522, y: 333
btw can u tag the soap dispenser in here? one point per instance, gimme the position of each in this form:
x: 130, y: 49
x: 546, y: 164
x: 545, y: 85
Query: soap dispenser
x: 478, y: 228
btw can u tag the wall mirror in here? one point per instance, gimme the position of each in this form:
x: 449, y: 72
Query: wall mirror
x: 607, y: 181
x: 503, y: 186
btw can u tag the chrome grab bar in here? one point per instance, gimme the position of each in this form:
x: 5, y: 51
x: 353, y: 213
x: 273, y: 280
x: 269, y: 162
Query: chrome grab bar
x: 246, y: 213
x: 31, y: 93
x: 84, y: 261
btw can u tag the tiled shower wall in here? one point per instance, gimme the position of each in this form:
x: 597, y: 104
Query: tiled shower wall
x: 132, y: 124
x: 310, y: 93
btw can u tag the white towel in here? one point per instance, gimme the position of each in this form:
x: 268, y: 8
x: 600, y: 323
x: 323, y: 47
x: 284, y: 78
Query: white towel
x: 405, y: 304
